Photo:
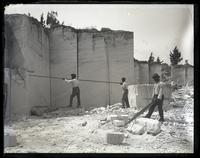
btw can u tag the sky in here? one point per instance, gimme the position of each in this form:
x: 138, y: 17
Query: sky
x: 157, y: 28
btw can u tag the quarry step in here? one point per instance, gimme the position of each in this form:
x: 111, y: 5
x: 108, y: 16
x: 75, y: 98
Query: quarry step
x: 10, y: 140
x: 151, y: 126
x: 114, y: 138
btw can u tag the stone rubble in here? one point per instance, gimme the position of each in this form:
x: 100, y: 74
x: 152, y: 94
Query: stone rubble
x: 62, y: 131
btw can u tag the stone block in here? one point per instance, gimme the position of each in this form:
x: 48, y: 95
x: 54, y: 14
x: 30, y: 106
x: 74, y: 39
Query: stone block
x: 123, y: 117
x: 114, y: 138
x: 10, y: 140
x: 112, y: 117
x: 39, y: 110
x: 119, y: 123
x: 151, y: 126
x: 136, y: 129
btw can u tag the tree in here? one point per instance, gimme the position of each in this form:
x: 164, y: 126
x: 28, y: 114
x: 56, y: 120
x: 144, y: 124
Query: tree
x: 42, y: 21
x: 158, y: 60
x: 52, y: 18
x: 151, y: 58
x: 175, y: 56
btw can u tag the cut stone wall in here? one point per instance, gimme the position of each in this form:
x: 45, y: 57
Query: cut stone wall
x: 144, y: 95
x: 190, y: 75
x: 32, y: 45
x: 92, y: 65
x: 119, y: 50
x: 183, y: 74
x: 97, y: 59
x: 63, y: 62
x: 141, y: 72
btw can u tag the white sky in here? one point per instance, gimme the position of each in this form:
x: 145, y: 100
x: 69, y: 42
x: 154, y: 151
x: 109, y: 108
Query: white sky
x: 157, y: 28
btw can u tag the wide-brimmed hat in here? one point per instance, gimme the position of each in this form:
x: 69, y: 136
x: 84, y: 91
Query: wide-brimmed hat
x: 155, y: 76
x: 73, y: 75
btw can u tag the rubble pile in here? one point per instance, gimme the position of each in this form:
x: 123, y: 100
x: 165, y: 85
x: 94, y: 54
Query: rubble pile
x: 101, y: 129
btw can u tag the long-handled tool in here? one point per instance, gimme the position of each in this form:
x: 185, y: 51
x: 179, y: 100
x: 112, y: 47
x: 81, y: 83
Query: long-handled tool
x: 99, y: 81
x: 139, y: 113
x: 34, y: 75
x: 45, y: 76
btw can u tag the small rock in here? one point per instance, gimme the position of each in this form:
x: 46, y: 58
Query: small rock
x: 104, y: 119
x: 84, y: 123
x: 119, y: 123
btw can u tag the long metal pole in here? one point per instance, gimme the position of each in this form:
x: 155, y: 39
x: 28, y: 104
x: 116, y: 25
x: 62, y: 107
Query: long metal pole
x: 45, y: 76
x: 99, y: 81
x: 79, y: 79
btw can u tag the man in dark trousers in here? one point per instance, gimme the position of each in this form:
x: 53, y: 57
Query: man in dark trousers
x: 75, y: 90
x: 157, y: 98
x: 125, y: 103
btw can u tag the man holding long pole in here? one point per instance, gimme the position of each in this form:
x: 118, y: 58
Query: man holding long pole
x: 75, y: 90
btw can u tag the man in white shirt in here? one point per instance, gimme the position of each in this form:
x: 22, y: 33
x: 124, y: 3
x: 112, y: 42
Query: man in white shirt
x: 125, y: 103
x: 157, y: 98
x: 75, y: 90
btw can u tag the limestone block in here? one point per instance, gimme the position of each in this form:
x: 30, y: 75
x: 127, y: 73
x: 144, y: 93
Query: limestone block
x: 123, y: 117
x: 39, y: 110
x: 119, y: 123
x: 9, y: 140
x: 112, y: 117
x: 114, y: 138
x: 152, y: 126
x: 136, y: 129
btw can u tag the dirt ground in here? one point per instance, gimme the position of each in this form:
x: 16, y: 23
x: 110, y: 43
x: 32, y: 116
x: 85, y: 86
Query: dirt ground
x: 77, y: 131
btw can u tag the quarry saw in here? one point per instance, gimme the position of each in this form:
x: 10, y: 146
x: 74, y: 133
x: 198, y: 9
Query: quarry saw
x: 61, y: 78
x: 139, y: 113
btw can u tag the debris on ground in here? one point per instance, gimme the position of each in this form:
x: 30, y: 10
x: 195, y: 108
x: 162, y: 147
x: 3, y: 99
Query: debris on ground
x: 79, y: 130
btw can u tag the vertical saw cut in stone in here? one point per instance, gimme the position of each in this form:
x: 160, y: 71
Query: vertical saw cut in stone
x: 115, y: 138
x: 63, y: 62
x: 28, y: 52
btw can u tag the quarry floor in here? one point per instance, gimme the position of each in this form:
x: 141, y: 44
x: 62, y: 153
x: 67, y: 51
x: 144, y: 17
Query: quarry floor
x: 62, y: 131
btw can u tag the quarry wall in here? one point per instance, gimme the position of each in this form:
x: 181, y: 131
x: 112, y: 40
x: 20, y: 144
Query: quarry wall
x: 183, y: 74
x: 141, y: 71
x: 63, y: 62
x: 94, y: 55
x: 28, y: 51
